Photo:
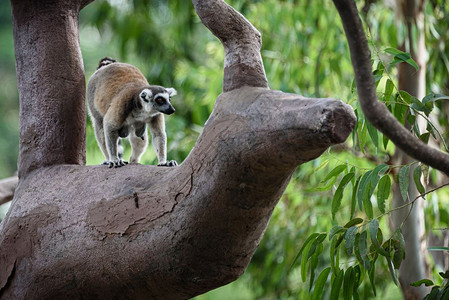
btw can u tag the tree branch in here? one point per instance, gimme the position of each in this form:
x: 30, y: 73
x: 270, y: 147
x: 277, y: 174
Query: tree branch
x: 243, y: 64
x: 375, y: 111
x: 51, y: 83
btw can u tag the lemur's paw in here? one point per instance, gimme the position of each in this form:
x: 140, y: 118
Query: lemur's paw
x: 171, y: 163
x: 116, y: 163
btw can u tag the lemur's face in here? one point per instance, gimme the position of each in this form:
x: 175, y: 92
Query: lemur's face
x: 157, y: 99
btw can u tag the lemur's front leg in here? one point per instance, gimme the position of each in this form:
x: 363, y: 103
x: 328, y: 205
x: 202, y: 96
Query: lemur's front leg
x: 157, y: 129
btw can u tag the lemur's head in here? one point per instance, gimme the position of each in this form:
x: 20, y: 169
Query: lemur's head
x: 157, y: 99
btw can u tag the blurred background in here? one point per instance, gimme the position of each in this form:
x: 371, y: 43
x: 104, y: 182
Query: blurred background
x: 304, y: 52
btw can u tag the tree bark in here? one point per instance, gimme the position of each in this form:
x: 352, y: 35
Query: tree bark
x: 51, y: 83
x: 415, y: 265
x: 146, y: 232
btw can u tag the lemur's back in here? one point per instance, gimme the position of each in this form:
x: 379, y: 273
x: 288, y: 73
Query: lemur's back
x: 112, y: 82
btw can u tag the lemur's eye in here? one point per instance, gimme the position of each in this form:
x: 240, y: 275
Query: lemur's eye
x: 160, y: 100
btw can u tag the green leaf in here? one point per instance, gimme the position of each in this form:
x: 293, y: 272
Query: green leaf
x: 368, y: 205
x: 357, y: 281
x: 319, y: 240
x: 353, y: 197
x: 433, y: 295
x: 404, y: 181
x: 314, y: 264
x: 399, y: 238
x: 373, y: 228
x: 389, y: 86
x: 336, y: 229
x: 333, y: 254
x: 304, y: 262
x: 309, y: 251
x: 398, y: 257
x: 385, y: 140
x: 353, y: 222
x: 434, y: 97
x: 400, y: 111
x: 311, y: 237
x: 371, y: 277
x: 419, y: 106
x: 334, y: 173
x: 417, y: 179
x: 373, y: 133
x: 362, y: 188
x: 362, y: 246
x: 406, y: 97
x: 391, y: 269
x: 380, y: 170
x: 425, y: 137
x: 320, y: 282
x: 336, y: 285
x: 350, y: 238
x: 348, y: 283
x: 336, y: 201
x: 445, y: 275
x: 426, y: 282
x: 383, y: 192
x: 400, y: 56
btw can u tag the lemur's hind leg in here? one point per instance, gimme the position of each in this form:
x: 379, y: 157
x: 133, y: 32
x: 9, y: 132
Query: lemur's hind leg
x: 111, y: 134
x: 139, y: 141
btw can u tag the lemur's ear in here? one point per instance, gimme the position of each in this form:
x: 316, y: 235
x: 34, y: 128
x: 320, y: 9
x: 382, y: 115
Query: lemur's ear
x: 171, y: 91
x: 145, y: 95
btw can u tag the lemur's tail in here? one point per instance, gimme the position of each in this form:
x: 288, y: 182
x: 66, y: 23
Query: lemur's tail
x: 105, y: 61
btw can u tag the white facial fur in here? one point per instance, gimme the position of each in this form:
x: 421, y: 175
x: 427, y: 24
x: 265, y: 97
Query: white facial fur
x: 146, y: 94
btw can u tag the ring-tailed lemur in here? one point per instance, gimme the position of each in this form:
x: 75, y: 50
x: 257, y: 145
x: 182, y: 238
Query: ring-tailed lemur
x: 121, y: 103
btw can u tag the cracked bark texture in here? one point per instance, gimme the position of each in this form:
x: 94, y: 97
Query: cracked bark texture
x: 145, y: 232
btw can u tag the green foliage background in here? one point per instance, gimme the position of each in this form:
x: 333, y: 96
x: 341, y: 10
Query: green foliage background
x: 304, y: 52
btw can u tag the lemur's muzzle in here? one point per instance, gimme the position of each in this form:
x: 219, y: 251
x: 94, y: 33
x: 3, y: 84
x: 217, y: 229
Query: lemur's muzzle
x: 169, y: 110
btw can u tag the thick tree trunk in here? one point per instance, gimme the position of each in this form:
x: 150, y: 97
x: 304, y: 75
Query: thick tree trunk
x: 145, y: 232
x: 50, y: 79
x: 415, y: 265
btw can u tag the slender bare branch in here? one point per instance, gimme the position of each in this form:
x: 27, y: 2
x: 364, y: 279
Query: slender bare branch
x: 375, y: 111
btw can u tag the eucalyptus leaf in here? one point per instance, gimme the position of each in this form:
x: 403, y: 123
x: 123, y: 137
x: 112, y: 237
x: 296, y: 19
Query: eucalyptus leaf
x: 426, y: 282
x: 353, y: 222
x: 320, y: 282
x: 417, y: 172
x: 334, y: 173
x: 383, y: 192
x: 350, y: 238
x: 336, y: 201
x: 336, y: 285
x: 373, y: 228
x: 348, y: 284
